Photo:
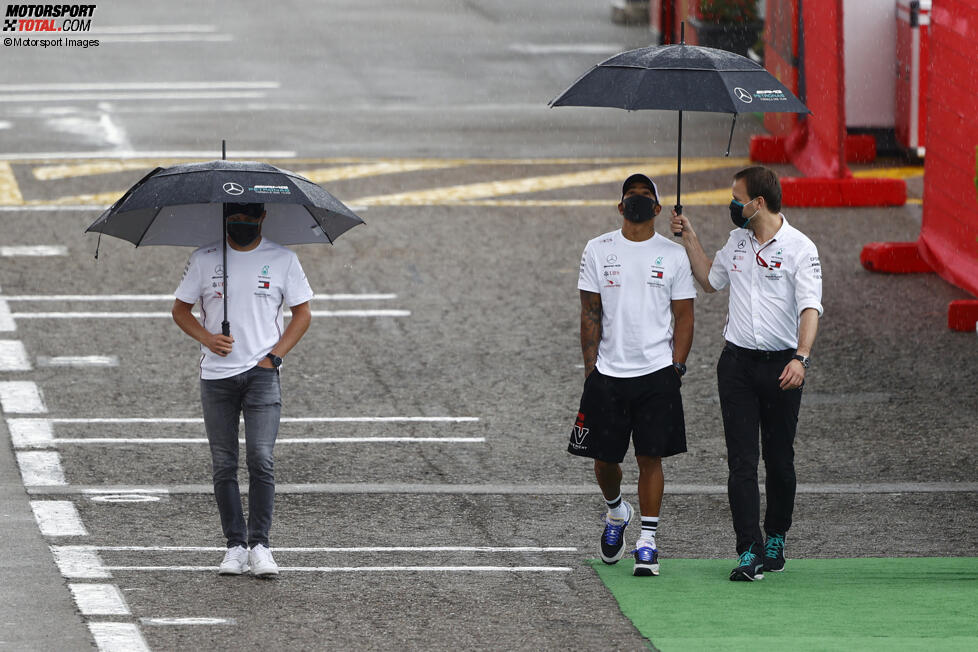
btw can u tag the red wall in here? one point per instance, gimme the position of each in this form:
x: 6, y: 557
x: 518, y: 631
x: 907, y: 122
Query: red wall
x: 949, y: 233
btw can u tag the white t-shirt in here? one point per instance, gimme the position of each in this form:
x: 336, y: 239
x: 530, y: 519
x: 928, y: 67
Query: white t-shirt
x: 260, y: 282
x: 766, y: 303
x: 637, y: 282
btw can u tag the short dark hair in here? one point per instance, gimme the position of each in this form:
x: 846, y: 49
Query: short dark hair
x: 762, y: 182
x: 251, y: 210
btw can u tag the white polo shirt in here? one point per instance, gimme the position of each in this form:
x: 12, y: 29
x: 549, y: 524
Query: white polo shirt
x: 765, y: 304
x: 260, y: 282
x: 637, y: 282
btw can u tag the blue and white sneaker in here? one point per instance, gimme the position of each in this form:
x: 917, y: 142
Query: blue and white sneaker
x: 612, y: 540
x: 646, y: 559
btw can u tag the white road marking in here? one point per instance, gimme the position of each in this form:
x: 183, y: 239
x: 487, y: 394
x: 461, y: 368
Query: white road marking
x: 283, y: 419
x: 337, y: 549
x: 79, y: 562
x: 140, y: 86
x: 566, y: 48
x: 40, y: 468
x: 4, y: 124
x: 157, y: 29
x: 151, y: 154
x: 181, y: 622
x: 167, y: 315
x: 124, y: 489
x: 78, y: 361
x: 125, y: 498
x: 99, y: 600
x: 118, y: 637
x: 13, y: 356
x: 58, y: 518
x: 7, y: 322
x: 52, y: 207
x: 279, y: 441
x: 11, y: 251
x: 30, y: 433
x: 129, y: 298
x: 21, y: 396
x: 166, y: 38
x: 156, y: 96
x: 364, y: 569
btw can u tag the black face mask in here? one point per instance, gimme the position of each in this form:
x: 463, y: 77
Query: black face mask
x: 737, y: 214
x: 638, y: 208
x: 243, y: 233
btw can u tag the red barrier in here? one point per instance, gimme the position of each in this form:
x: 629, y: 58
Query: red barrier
x: 805, y: 47
x: 948, y: 242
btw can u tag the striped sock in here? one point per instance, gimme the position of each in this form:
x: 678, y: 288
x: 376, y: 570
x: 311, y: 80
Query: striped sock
x: 649, y: 525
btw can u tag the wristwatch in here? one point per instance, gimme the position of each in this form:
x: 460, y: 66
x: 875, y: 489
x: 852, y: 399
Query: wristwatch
x: 276, y: 361
x: 804, y: 360
x: 680, y: 367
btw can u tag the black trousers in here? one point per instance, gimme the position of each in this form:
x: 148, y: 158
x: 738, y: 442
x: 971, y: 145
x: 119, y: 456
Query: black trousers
x: 751, y: 400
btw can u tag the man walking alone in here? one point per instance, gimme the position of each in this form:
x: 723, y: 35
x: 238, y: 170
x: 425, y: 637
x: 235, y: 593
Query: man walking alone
x: 240, y: 373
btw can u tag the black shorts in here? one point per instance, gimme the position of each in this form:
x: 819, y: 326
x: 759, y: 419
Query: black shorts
x: 646, y: 409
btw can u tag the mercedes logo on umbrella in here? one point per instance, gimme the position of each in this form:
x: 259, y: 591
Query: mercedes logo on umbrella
x: 743, y: 96
x: 232, y: 188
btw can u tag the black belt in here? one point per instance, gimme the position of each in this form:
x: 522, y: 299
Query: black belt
x: 755, y: 354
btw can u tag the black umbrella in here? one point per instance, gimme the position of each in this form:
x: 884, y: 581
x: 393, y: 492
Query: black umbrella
x: 183, y: 205
x: 682, y: 78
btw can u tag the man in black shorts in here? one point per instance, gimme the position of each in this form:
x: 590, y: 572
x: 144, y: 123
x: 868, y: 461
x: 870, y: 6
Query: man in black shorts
x: 636, y: 330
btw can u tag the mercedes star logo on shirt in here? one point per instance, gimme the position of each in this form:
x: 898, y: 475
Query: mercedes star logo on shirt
x: 743, y: 95
x: 232, y: 188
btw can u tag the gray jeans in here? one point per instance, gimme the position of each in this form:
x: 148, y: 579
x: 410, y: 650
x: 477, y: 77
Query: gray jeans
x: 258, y: 393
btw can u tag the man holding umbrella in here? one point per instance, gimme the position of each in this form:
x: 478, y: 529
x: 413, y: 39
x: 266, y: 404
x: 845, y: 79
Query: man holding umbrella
x: 636, y: 330
x: 240, y: 372
x: 775, y: 280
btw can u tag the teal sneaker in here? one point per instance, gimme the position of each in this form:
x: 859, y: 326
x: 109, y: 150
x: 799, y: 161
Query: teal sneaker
x: 750, y: 566
x: 774, y: 553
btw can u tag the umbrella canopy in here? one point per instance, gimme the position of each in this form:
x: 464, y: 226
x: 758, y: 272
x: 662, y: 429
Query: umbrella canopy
x: 681, y: 78
x: 182, y: 205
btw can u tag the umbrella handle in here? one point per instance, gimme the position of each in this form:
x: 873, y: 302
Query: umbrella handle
x: 679, y: 211
x: 226, y: 328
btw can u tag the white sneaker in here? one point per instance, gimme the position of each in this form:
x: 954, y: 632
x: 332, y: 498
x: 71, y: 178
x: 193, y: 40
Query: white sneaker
x: 262, y: 564
x: 235, y: 561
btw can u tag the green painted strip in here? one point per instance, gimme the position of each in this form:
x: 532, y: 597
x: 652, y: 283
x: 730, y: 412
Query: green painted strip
x: 816, y: 604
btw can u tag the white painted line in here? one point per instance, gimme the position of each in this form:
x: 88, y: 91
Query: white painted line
x: 21, y: 396
x: 7, y: 322
x: 52, y: 207
x: 40, y: 468
x: 99, y: 600
x: 364, y: 569
x: 13, y: 356
x: 167, y: 315
x: 127, y: 490
x: 33, y: 250
x: 166, y: 38
x: 129, y: 298
x: 183, y: 622
x: 118, y: 637
x: 566, y: 48
x: 30, y: 433
x: 167, y: 96
x: 283, y: 420
x: 125, y: 498
x: 151, y: 154
x: 140, y: 86
x: 156, y: 29
x: 279, y: 441
x: 58, y: 518
x: 338, y: 549
x: 78, y: 361
x: 79, y: 562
